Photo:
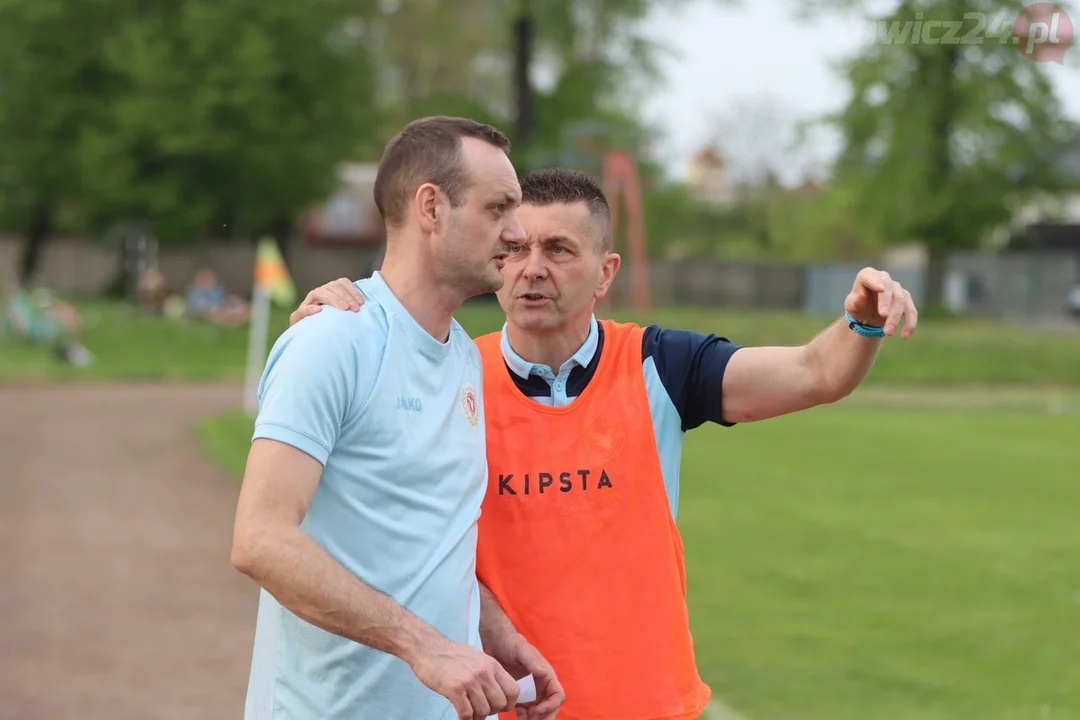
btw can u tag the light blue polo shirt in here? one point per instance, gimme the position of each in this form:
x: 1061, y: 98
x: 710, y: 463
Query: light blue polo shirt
x: 396, y: 418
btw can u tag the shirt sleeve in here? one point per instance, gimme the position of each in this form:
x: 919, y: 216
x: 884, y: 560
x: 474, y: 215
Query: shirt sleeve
x: 309, y: 388
x: 691, y: 368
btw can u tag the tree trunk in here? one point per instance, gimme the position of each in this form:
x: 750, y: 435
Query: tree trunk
x: 37, y: 232
x: 934, y: 287
x: 523, y: 50
x: 938, y: 232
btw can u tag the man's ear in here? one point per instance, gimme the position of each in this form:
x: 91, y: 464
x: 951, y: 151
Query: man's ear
x: 608, y: 269
x: 427, y: 206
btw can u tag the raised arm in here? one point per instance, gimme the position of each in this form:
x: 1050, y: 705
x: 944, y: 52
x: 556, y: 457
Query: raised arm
x: 764, y: 382
x: 709, y: 379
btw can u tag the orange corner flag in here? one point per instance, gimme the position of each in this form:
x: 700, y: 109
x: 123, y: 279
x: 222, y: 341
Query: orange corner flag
x: 272, y: 275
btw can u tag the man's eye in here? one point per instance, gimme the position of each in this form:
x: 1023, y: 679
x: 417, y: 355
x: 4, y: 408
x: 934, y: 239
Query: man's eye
x: 513, y: 248
x: 557, y: 249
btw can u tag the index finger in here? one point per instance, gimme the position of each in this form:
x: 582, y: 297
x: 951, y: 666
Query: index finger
x: 550, y: 693
x: 350, y: 290
x: 331, y: 294
x: 345, y: 293
x: 871, y: 278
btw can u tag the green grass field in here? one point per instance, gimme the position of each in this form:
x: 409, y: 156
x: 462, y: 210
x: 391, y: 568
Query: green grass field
x: 129, y: 345
x: 861, y: 563
x: 855, y: 563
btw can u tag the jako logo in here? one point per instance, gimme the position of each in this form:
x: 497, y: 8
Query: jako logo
x: 1042, y: 32
x: 412, y: 404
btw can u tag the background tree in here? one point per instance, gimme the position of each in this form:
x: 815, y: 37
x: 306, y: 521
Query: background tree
x: 227, y: 114
x: 51, y: 81
x: 943, y: 142
x: 209, y: 119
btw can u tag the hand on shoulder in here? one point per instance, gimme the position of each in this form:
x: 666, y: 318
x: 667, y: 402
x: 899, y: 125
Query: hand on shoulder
x: 341, y: 294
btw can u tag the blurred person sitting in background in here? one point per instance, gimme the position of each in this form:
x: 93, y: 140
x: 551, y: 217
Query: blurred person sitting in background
x: 153, y: 291
x: 208, y: 300
x: 38, y: 317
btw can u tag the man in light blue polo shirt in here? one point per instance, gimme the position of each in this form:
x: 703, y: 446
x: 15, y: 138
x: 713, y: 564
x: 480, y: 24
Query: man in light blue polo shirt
x: 359, y: 506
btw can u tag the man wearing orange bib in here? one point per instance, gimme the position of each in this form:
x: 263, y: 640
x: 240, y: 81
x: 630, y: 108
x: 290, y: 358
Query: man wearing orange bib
x: 585, y: 423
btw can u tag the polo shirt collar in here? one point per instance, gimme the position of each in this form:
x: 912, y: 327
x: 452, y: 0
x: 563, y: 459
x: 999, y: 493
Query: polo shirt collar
x: 523, y: 368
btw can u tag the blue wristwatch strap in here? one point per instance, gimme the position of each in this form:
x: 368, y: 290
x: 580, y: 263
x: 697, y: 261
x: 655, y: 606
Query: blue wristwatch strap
x: 870, y: 331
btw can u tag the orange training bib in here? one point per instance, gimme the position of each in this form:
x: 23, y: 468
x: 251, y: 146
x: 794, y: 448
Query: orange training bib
x: 577, y: 541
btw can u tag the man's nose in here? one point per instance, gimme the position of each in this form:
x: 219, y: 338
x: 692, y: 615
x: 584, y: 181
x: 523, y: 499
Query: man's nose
x: 514, y: 233
x: 535, y: 265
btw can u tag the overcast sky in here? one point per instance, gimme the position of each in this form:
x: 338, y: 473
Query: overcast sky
x: 752, y: 73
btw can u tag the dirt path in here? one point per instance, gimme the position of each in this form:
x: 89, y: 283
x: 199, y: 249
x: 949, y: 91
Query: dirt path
x: 117, y: 599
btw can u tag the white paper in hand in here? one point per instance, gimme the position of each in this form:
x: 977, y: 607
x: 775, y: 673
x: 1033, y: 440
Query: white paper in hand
x: 528, y: 690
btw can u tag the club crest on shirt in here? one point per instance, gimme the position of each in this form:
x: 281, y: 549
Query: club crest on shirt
x: 604, y: 440
x: 468, y: 403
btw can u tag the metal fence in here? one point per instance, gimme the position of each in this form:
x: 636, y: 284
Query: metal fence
x: 984, y: 285
x: 828, y: 285
x: 1029, y: 285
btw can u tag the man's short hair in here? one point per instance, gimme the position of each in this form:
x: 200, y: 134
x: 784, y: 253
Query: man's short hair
x: 557, y: 186
x: 428, y: 150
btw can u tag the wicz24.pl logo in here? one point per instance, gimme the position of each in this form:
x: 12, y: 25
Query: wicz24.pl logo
x: 1042, y: 32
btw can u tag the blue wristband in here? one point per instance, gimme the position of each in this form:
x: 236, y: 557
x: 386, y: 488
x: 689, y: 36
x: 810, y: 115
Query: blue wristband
x: 870, y: 331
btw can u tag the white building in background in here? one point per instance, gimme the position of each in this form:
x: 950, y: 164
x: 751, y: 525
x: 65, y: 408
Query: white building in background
x: 708, y: 178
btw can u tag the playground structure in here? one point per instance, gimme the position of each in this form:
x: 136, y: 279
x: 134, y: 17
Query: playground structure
x: 139, y: 249
x: 620, y: 174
